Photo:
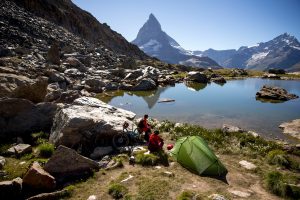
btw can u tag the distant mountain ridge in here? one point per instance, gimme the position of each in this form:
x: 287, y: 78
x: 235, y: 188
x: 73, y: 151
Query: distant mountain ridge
x: 281, y: 52
x: 79, y: 22
x: 156, y: 43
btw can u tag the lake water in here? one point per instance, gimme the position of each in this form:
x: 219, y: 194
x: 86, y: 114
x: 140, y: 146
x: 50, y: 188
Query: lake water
x: 211, y: 105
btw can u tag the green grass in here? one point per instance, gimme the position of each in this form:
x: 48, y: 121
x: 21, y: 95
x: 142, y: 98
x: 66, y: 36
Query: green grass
x: 278, y: 157
x: 153, y: 188
x: 282, y: 185
x: 117, y: 191
x: 188, y: 195
x: 46, y: 150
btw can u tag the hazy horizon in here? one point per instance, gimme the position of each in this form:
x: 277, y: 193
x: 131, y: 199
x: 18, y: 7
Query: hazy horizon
x: 200, y: 24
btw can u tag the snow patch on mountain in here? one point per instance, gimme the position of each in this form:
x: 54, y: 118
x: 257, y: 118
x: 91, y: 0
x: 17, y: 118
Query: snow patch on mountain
x: 255, y: 58
x: 151, y: 46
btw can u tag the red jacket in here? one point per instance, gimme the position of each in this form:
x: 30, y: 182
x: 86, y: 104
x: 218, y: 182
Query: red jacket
x: 155, y: 142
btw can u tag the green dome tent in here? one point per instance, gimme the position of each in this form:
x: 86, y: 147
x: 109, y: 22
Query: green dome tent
x: 194, y: 154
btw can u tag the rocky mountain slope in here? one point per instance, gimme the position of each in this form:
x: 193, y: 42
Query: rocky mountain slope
x: 81, y: 23
x: 282, y: 52
x: 156, y: 43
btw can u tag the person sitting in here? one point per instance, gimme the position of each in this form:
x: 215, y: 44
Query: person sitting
x: 143, y: 126
x: 156, y: 143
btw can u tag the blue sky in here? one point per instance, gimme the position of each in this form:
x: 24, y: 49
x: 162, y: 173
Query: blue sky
x: 202, y: 24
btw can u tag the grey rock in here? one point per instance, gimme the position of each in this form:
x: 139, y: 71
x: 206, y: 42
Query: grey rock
x: 86, y: 119
x: 11, y: 189
x: 274, y: 93
x: 198, y: 77
x: 94, y: 84
x: 20, y: 149
x: 247, y: 165
x: 61, y: 194
x: 216, y: 197
x: 291, y: 128
x: 53, y: 55
x: 101, y: 151
x: 271, y: 76
x: 66, y: 164
x: 220, y: 80
x: 17, y: 86
x: 145, y: 84
x: 75, y: 63
x: 229, y: 128
x: 2, y: 162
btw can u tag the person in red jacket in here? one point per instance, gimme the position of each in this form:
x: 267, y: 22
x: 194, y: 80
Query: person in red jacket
x: 155, y: 142
x: 145, y: 127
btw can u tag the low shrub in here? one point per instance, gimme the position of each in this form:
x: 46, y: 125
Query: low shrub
x: 46, y: 150
x: 117, y: 190
x: 188, y: 195
x: 278, y: 157
x: 147, y: 159
x: 282, y: 185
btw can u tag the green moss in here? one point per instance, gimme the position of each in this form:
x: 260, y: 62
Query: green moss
x: 117, y: 190
x: 187, y: 195
x: 46, y: 150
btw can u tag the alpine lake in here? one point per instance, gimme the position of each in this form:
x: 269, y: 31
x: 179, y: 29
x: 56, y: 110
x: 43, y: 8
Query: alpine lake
x: 212, y: 105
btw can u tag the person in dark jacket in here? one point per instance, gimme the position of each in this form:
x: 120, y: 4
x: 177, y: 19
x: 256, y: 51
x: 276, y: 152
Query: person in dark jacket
x: 145, y: 127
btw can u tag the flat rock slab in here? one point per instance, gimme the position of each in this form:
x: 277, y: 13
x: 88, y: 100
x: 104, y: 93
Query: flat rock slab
x: 240, y: 194
x: 20, y: 149
x: 166, y: 100
x: 247, y: 165
x: 291, y: 128
x: 48, y: 196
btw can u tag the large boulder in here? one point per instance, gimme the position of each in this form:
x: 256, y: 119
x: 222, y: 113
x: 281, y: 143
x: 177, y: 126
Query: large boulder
x: 274, y: 93
x: 291, y: 128
x: 66, y: 165
x: 145, y: 84
x: 17, y: 86
x: 38, y: 179
x: 75, y: 63
x: 87, y: 119
x: 11, y: 189
x: 19, y: 117
x: 198, y: 77
x: 94, y: 84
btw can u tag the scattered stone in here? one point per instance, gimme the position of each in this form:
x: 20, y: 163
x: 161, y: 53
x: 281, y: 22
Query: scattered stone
x: 240, y: 193
x: 92, y: 197
x: 104, y: 162
x: 101, y: 151
x: 219, y: 80
x: 216, y: 197
x: 291, y: 128
x: 157, y: 167
x: 66, y: 164
x: 198, y: 77
x: 20, y: 149
x: 247, y: 165
x: 11, y: 189
x: 254, y: 134
x: 127, y: 179
x: 53, y: 54
x: 229, y: 129
x: 275, y: 93
x: 38, y: 179
x: 168, y: 174
x: 165, y: 100
x: 2, y: 162
x: 87, y: 119
x: 51, y: 196
x: 145, y: 84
